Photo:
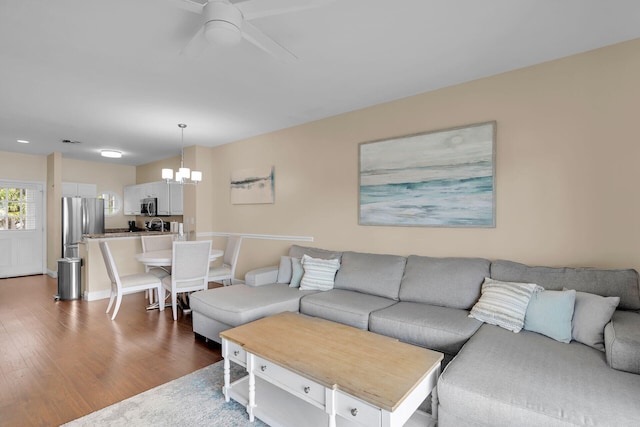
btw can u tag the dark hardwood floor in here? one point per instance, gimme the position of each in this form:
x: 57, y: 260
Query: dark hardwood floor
x: 62, y: 360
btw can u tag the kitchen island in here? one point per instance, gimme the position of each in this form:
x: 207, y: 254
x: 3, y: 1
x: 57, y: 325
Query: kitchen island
x: 124, y: 246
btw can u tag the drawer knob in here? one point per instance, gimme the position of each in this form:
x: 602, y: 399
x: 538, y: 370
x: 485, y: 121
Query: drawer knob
x: 354, y: 411
x: 236, y: 352
x: 307, y: 389
x: 263, y: 368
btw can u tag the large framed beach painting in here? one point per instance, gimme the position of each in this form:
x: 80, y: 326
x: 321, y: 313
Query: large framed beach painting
x: 444, y: 178
x: 252, y: 186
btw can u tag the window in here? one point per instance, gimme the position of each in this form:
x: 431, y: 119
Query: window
x: 112, y: 203
x: 17, y: 208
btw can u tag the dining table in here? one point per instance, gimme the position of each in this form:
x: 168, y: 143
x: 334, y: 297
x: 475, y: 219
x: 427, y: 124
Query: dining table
x: 164, y: 258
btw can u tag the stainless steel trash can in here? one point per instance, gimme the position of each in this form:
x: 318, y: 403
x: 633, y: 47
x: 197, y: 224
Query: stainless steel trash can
x: 69, y: 280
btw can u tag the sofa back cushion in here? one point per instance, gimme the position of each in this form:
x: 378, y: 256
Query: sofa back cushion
x: 607, y: 283
x: 446, y: 282
x: 297, y: 251
x: 373, y: 274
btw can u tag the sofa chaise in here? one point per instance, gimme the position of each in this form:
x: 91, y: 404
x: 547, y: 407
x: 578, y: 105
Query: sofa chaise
x: 493, y: 376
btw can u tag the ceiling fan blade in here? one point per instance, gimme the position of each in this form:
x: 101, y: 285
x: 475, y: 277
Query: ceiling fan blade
x: 191, y: 5
x: 252, y: 9
x: 196, y: 45
x: 258, y: 38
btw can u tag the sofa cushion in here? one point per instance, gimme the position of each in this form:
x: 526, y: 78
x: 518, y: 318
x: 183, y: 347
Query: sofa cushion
x: 297, y: 251
x: 590, y: 316
x: 319, y: 274
x: 261, y: 276
x: 371, y: 273
x: 504, y: 303
x: 447, y: 282
x: 238, y: 304
x: 622, y: 342
x: 550, y: 312
x: 342, y: 306
x: 502, y: 379
x: 437, y: 328
x: 607, y: 283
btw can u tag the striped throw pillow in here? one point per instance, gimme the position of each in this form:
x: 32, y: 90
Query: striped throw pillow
x: 504, y: 303
x: 319, y: 274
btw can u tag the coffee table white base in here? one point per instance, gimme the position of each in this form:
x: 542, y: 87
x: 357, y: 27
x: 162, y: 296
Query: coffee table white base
x: 282, y: 398
x: 278, y: 408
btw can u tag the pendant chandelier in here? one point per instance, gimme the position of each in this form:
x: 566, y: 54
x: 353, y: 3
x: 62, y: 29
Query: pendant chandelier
x: 183, y: 175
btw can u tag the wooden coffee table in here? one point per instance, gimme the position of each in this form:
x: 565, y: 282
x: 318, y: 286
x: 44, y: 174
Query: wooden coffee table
x: 306, y: 371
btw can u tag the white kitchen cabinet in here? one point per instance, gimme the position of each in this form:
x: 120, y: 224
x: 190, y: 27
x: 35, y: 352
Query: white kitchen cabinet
x: 175, y: 199
x: 87, y: 190
x: 159, y: 190
x: 132, y: 196
x: 69, y: 189
x: 76, y: 189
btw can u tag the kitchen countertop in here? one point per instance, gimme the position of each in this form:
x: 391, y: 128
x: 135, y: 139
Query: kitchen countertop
x: 124, y: 233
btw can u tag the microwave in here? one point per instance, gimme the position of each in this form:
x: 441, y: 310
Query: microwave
x: 149, y: 206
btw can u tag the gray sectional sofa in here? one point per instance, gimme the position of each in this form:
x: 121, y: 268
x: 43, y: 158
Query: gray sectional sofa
x: 493, y: 377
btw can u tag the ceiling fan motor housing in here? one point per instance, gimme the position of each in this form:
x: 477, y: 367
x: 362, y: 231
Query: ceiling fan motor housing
x: 223, y: 23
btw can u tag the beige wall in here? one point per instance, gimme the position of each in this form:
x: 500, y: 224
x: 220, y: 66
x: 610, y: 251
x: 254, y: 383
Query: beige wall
x: 152, y: 172
x: 567, y: 154
x: 23, y: 167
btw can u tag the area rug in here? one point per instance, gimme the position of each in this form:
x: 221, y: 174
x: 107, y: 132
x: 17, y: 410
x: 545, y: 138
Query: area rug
x: 193, y: 400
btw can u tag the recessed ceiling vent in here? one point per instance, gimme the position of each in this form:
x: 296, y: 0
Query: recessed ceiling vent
x: 68, y: 141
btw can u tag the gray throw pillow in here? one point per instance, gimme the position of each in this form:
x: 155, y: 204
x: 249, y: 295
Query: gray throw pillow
x: 590, y: 316
x: 284, y: 271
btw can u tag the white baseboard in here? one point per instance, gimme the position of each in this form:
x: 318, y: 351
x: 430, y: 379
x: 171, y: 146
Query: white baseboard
x: 96, y: 295
x: 53, y: 274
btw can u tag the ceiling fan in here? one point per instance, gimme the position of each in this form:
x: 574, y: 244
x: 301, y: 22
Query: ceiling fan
x: 226, y: 23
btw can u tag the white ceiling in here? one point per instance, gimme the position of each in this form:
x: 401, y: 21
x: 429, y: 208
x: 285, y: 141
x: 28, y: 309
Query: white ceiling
x: 109, y: 73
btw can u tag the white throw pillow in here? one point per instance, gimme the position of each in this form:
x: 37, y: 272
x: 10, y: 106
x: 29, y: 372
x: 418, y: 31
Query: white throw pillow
x: 319, y: 274
x: 503, y: 304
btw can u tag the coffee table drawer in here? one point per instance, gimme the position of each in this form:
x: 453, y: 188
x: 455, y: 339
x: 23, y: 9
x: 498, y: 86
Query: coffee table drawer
x: 237, y: 353
x: 356, y: 410
x: 290, y: 381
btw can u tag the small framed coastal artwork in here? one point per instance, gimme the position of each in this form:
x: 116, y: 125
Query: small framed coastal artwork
x: 444, y: 178
x: 252, y: 186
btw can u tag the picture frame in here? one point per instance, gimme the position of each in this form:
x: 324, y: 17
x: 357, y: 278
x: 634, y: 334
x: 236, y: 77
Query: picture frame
x: 442, y: 178
x: 253, y: 186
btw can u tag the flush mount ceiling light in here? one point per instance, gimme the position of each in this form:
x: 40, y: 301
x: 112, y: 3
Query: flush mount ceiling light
x: 23, y: 141
x: 112, y: 154
x: 183, y: 175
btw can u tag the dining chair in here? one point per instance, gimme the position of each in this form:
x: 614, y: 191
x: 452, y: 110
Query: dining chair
x: 156, y: 243
x: 189, y: 267
x: 226, y: 273
x: 123, y: 285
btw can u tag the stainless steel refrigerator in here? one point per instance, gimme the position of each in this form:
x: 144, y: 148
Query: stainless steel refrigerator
x: 80, y: 216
